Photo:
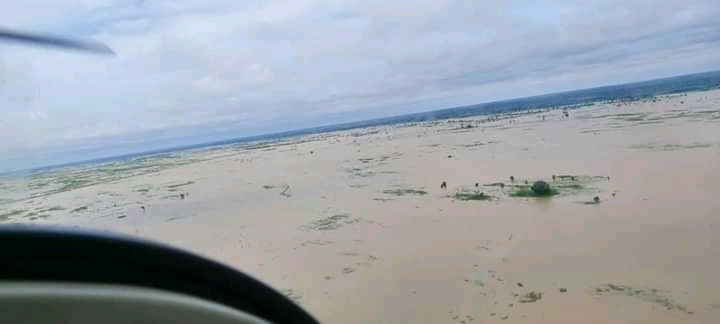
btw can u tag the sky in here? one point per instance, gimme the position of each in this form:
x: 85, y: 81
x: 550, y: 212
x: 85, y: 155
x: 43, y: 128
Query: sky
x: 195, y: 71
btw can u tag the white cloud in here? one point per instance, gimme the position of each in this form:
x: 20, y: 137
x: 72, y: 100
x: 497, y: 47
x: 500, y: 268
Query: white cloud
x: 227, y: 68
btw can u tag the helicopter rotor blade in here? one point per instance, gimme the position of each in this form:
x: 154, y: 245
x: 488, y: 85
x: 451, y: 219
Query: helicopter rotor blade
x: 55, y: 41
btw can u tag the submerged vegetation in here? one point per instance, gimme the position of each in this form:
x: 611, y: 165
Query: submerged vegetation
x: 178, y: 185
x: 481, y: 196
x: 541, y: 188
x: 652, y: 295
x: 530, y: 297
x: 526, y: 191
x: 403, y: 192
x: 522, y: 188
x: 670, y: 147
x: 559, y: 185
x: 331, y: 223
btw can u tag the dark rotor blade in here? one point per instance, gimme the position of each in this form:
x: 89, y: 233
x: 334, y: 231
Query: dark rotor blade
x: 55, y: 41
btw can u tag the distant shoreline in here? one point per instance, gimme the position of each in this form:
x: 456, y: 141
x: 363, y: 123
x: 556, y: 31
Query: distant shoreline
x: 569, y: 100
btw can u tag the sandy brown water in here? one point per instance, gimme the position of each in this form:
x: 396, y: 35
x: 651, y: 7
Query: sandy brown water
x: 317, y: 217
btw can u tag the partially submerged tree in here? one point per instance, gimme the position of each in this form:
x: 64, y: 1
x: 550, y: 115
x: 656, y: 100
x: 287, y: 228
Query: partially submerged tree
x: 541, y: 188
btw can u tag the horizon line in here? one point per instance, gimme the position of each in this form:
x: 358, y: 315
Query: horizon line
x: 361, y: 123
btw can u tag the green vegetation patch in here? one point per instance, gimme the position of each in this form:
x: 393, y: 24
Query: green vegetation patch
x: 480, y: 196
x: 537, y: 189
